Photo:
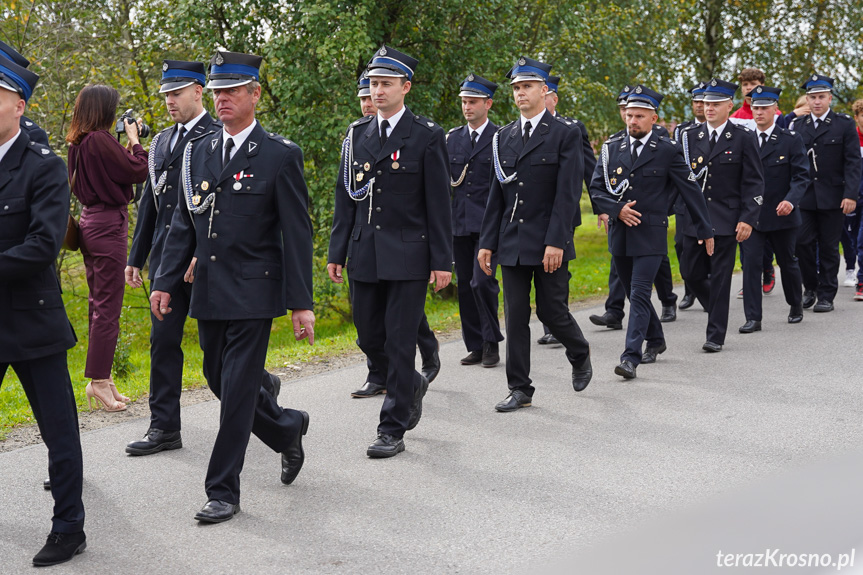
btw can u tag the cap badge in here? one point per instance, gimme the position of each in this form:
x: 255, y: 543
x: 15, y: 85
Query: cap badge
x: 219, y: 59
x: 164, y: 66
x: 383, y: 51
x: 522, y: 61
x: 638, y: 90
x: 626, y: 88
x: 814, y: 77
x: 713, y: 82
x: 759, y: 89
x: 470, y: 78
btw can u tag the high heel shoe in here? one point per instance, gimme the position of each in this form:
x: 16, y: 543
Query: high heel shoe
x: 117, y: 395
x: 105, y: 398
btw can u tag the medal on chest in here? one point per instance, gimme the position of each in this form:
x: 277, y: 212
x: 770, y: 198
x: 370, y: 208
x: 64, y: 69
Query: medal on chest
x: 395, y: 156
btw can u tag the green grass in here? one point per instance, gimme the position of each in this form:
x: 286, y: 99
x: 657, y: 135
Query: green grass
x: 333, y: 337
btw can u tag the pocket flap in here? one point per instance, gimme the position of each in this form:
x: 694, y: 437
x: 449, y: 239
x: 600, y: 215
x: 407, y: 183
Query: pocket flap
x: 249, y: 186
x: 543, y: 158
x: 37, y: 299
x: 508, y: 161
x: 653, y: 172
x: 414, y: 235
x: 406, y: 167
x: 13, y: 206
x: 261, y: 270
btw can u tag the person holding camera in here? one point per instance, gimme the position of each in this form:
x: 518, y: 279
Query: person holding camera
x: 102, y: 173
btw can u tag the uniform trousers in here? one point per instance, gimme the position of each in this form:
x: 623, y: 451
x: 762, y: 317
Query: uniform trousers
x: 850, y: 229
x: 637, y: 275
x: 235, y: 352
x: 477, y: 294
x: 784, y: 242
x: 104, y: 238
x: 49, y: 390
x: 617, y: 292
x: 552, y: 309
x: 390, y: 342
x: 824, y: 229
x: 715, y: 290
x: 166, y: 362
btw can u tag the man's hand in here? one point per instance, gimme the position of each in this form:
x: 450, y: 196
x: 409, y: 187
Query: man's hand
x: 848, y: 206
x: 189, y: 276
x: 304, y: 324
x: 159, y: 302
x: 784, y: 208
x: 484, y: 259
x: 708, y: 245
x: 552, y: 259
x: 629, y: 216
x: 133, y: 277
x: 602, y: 222
x: 743, y: 231
x: 440, y: 279
x: 335, y: 273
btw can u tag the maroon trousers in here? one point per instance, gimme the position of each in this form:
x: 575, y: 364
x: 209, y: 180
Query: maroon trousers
x: 104, y: 237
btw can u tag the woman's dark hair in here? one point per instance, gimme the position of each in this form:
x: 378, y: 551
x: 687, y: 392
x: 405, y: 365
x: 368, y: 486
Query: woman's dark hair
x: 95, y: 109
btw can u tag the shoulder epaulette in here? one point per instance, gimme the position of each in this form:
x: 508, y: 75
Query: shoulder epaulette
x: 454, y: 129
x: 363, y: 120
x: 563, y: 120
x: 280, y: 139
x: 845, y: 116
x: 207, y: 133
x: 425, y: 122
x: 40, y: 149
x: 615, y: 137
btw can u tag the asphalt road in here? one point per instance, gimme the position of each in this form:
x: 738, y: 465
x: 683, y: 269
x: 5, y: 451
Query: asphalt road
x: 476, y: 491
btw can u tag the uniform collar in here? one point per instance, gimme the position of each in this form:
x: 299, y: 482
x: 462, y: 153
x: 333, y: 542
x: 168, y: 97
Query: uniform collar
x: 240, y: 137
x: 719, y: 130
x: 5, y: 147
x: 821, y: 118
x: 768, y: 131
x: 393, y: 120
x: 534, y: 122
x: 478, y: 130
x: 191, y: 123
x: 642, y: 140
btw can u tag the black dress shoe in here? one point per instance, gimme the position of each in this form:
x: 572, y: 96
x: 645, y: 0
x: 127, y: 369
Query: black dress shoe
x: 294, y: 456
x: 473, y: 358
x: 625, y: 369
x: 669, y: 313
x: 272, y: 384
x: 581, y: 375
x: 370, y: 389
x: 548, y: 339
x: 650, y: 353
x: 59, y: 548
x: 796, y: 314
x: 711, y: 347
x: 385, y: 446
x: 155, y: 440
x: 607, y: 320
x: 515, y: 400
x: 216, y: 511
x: 687, y: 301
x: 490, y: 354
x: 750, y: 326
x: 46, y: 485
x: 822, y: 306
x: 417, y: 408
x: 431, y: 366
x: 808, y: 298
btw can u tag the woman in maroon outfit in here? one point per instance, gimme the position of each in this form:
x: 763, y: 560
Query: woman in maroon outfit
x: 104, y: 173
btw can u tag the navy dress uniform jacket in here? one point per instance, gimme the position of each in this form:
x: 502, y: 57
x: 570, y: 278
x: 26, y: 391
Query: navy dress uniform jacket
x: 735, y: 177
x: 538, y: 207
x: 589, y: 162
x: 657, y: 175
x: 34, y: 209
x: 34, y: 131
x: 155, y: 211
x: 403, y: 229
x: 469, y: 198
x: 255, y: 257
x: 786, y: 178
x: 836, y: 148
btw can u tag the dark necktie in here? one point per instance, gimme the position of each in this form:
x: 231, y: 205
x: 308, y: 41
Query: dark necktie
x: 817, y: 123
x: 635, y: 145
x: 180, y: 133
x: 712, y: 140
x: 384, y: 126
x: 763, y: 139
x: 526, y: 136
x: 229, y: 145
x: 473, y: 136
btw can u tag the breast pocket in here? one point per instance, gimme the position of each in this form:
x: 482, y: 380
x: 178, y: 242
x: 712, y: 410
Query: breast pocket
x: 543, y: 167
x: 250, y: 198
x: 14, y: 218
x: 403, y: 175
x: 729, y: 159
x: 653, y: 172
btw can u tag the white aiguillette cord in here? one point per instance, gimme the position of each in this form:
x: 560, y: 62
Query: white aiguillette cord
x: 350, y: 186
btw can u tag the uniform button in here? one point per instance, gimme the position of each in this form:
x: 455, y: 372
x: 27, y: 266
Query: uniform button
x: 266, y: 273
x: 377, y: 227
x: 168, y: 206
x: 709, y: 163
x: 378, y: 190
x: 218, y: 189
x: 168, y: 227
x: 816, y: 178
x: 378, y: 209
x: 520, y: 202
x: 380, y: 173
x: 468, y: 195
x: 631, y: 175
x: 248, y: 187
x: 423, y: 236
x: 709, y: 187
x: 709, y: 175
x: 470, y: 173
x: 217, y: 212
x: 170, y: 167
x: 170, y: 187
x: 520, y: 184
x: 468, y: 183
x: 212, y: 258
x: 215, y: 236
x: 520, y: 221
x: 41, y: 302
x: 709, y: 199
x: 5, y: 207
x: 543, y: 159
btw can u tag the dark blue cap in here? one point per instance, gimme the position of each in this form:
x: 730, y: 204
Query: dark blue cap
x: 643, y: 97
x: 719, y: 90
x: 231, y: 69
x: 697, y: 91
x: 178, y: 74
x: 623, y: 95
x: 553, y: 82
x: 11, y: 54
x: 527, y: 70
x: 363, y: 84
x: 764, y: 96
x: 817, y: 83
x: 16, y: 78
x: 477, y: 87
x: 391, y: 63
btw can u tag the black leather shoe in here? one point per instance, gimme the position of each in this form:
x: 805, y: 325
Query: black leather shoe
x: 711, y: 347
x: 515, y: 400
x: 796, y: 314
x: 548, y: 339
x: 59, y: 548
x: 431, y: 366
x: 650, y: 353
x: 473, y: 358
x: 687, y: 301
x: 606, y: 320
x: 294, y: 456
x: 46, y: 485
x: 822, y: 306
x: 808, y: 298
x: 417, y: 408
x: 216, y: 511
x: 385, y: 446
x: 272, y: 384
x: 155, y: 440
x: 625, y: 369
x: 581, y: 375
x: 669, y: 313
x: 490, y: 354
x: 370, y: 389
x: 751, y: 326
